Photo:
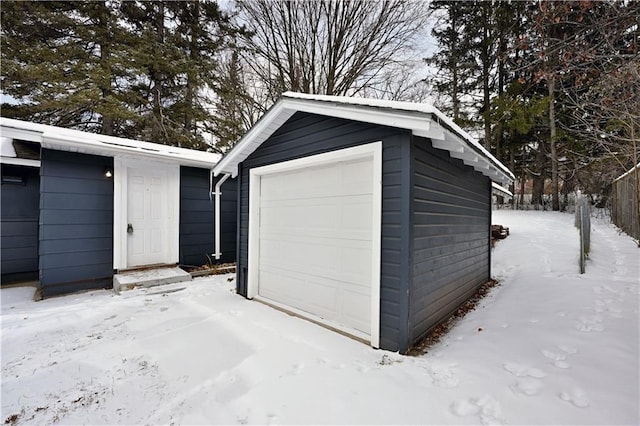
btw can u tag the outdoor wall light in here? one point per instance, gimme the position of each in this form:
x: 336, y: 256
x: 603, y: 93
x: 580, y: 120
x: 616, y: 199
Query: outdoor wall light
x: 108, y: 173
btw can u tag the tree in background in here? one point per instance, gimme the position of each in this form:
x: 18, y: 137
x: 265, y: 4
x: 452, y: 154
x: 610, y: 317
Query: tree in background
x: 452, y: 61
x: 548, y: 65
x: 137, y: 69
x: 328, y: 47
x: 66, y: 64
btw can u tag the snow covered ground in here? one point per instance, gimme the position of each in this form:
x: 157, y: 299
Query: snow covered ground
x: 548, y: 346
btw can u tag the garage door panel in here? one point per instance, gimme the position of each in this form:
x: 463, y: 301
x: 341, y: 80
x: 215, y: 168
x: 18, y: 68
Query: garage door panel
x: 346, y: 178
x: 315, y: 241
x: 356, y: 216
x: 358, y: 314
x: 311, y: 294
x: 328, y: 299
x: 328, y: 256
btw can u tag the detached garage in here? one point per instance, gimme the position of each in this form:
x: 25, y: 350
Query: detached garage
x: 367, y: 216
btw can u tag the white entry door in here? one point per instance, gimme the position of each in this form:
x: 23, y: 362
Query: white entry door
x: 149, y: 219
x: 316, y: 246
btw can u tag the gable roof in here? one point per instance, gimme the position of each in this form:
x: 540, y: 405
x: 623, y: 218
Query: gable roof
x: 422, y: 119
x: 63, y: 139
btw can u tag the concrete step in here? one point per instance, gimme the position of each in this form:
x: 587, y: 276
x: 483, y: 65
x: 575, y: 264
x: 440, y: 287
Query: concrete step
x: 149, y: 278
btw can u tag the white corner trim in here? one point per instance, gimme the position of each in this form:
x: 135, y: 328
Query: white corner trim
x: 373, y: 150
x: 120, y: 206
x: 376, y: 242
x: 254, y: 234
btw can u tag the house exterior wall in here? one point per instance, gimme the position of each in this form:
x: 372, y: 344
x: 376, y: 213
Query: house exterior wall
x: 76, y: 222
x: 307, y: 134
x: 19, y: 224
x: 197, y: 228
x: 450, y: 235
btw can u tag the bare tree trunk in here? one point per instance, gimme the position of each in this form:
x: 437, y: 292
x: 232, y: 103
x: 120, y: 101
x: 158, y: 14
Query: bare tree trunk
x: 156, y: 78
x: 555, y: 199
x: 636, y: 173
x: 104, y: 84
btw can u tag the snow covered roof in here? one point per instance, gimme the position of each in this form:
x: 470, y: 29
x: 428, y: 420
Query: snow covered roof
x: 91, y: 143
x: 422, y: 119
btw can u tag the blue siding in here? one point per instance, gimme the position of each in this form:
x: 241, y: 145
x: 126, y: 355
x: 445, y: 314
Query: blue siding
x: 19, y: 224
x: 197, y: 229
x: 306, y: 134
x: 76, y: 222
x: 450, y: 218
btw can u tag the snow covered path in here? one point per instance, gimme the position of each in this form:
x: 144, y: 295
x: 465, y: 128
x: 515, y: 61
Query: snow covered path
x: 548, y: 346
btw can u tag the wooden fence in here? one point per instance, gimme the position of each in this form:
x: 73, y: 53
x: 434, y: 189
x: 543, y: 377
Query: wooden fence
x: 624, y: 203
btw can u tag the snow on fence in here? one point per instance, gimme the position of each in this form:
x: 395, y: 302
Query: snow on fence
x: 624, y: 203
x: 583, y: 223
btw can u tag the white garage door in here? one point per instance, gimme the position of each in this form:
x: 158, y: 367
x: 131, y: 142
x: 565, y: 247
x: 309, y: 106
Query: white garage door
x: 317, y: 240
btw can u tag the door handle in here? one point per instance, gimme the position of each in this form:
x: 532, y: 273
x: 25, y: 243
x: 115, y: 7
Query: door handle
x: 129, y: 228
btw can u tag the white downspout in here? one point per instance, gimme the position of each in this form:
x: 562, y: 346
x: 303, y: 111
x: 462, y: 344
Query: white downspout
x: 217, y: 193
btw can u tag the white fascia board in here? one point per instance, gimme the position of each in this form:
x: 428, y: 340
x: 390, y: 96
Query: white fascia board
x: 252, y: 139
x: 19, y: 162
x: 473, y: 142
x: 112, y: 150
x: 109, y: 149
x: 11, y: 132
x: 448, y: 145
x: 78, y: 141
x: 500, y: 190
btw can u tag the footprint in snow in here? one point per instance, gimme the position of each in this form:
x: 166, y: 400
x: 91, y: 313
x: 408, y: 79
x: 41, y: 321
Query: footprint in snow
x: 576, y: 396
x: 527, y: 386
x: 296, y: 369
x: 590, y: 323
x: 607, y: 306
x: 520, y: 370
x: 443, y: 375
x: 568, y: 349
x: 558, y: 358
x: 485, y: 407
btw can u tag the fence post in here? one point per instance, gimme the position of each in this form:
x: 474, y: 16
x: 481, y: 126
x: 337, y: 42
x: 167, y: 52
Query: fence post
x: 583, y: 223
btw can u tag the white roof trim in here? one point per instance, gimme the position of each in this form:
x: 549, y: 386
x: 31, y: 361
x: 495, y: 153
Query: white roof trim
x: 19, y: 161
x: 499, y: 190
x: 422, y: 119
x: 91, y: 143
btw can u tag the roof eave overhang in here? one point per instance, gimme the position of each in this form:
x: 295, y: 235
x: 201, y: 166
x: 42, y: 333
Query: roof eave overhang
x: 76, y: 141
x: 113, y: 150
x: 443, y: 133
x: 19, y: 162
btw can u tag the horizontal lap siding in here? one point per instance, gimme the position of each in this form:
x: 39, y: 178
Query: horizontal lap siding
x: 307, y: 134
x: 451, y: 213
x: 19, y: 224
x: 76, y: 222
x: 197, y: 227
